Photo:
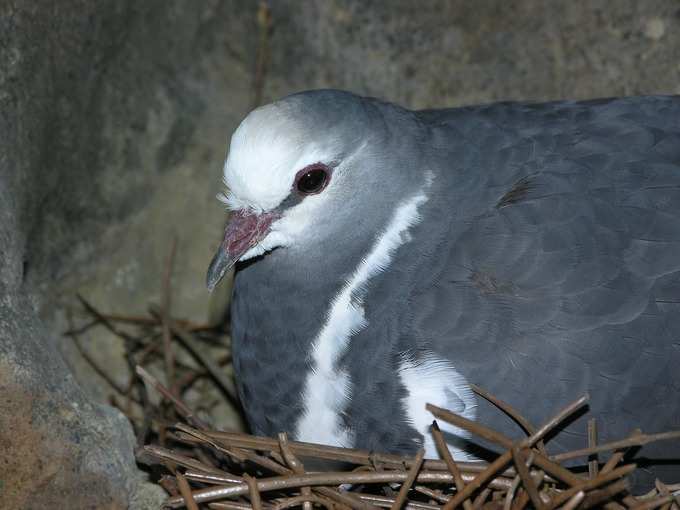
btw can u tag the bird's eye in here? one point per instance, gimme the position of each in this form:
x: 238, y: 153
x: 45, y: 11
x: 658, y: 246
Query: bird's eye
x: 312, y: 180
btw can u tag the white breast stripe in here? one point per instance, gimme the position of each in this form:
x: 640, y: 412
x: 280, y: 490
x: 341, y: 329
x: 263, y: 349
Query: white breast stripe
x: 435, y: 381
x: 327, y: 387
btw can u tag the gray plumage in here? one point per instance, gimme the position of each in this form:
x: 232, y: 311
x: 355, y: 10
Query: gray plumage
x: 546, y: 263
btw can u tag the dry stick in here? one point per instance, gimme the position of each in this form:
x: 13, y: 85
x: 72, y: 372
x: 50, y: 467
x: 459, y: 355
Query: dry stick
x: 445, y: 454
x: 104, y: 321
x: 168, y: 355
x: 544, y: 463
x: 143, y: 400
x: 617, y: 456
x: 597, y: 496
x: 183, y: 409
x: 95, y: 366
x: 592, y: 484
x: 295, y: 465
x: 317, y: 479
x: 637, y: 440
x: 574, y: 501
x: 426, y: 476
x: 593, y: 463
x: 302, y: 500
x: 235, y: 453
x: 511, y: 412
x: 481, y: 498
x: 165, y: 454
x: 406, y: 486
x: 431, y: 493
x: 520, y: 501
x: 344, y: 499
x: 511, y: 493
x: 504, y: 459
x: 523, y: 471
x: 387, y: 502
x: 352, y: 456
x: 216, y: 372
x: 185, y: 491
x: 253, y: 492
x: 229, y: 505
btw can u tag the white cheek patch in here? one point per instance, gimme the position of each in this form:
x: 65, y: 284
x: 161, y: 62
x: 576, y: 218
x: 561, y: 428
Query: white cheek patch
x: 433, y: 380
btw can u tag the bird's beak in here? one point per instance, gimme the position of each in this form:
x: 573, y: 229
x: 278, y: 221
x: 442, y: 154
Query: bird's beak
x: 244, y: 230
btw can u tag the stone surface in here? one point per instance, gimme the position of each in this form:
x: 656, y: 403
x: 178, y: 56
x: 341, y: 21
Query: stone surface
x: 114, y: 118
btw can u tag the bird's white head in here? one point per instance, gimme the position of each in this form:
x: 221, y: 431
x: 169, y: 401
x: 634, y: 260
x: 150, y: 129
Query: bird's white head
x: 304, y: 168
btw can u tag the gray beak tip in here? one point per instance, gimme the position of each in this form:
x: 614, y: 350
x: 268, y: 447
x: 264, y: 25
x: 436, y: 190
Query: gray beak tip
x: 219, y: 266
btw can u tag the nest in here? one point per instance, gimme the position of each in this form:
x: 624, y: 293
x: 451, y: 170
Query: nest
x: 201, y: 467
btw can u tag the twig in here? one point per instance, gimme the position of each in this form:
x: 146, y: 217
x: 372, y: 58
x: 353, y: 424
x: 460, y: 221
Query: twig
x: 295, y: 465
x: 574, y: 501
x: 505, y: 458
x: 445, y: 454
x: 185, y: 491
x: 593, y: 484
x: 511, y: 412
x: 637, y: 440
x: 528, y: 484
x: 316, y: 479
x: 253, y: 492
x: 183, y: 409
x: 593, y: 463
x: 406, y: 486
x: 188, y: 462
x: 199, y: 353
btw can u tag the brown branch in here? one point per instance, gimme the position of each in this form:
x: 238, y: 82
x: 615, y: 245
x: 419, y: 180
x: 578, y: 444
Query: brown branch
x: 593, y: 464
x: 574, y: 501
x: 199, y: 353
x: 597, y: 496
x: 316, y: 479
x: 406, y: 486
x: 335, y: 453
x: 295, y: 465
x: 181, y: 407
x: 165, y: 454
x: 637, y: 440
x: 481, y: 498
x: 302, y: 500
x: 388, y: 502
x: 253, y: 492
x: 445, y: 454
x: 515, y: 415
x: 185, y: 491
x: 592, y: 484
x: 528, y: 484
x: 476, y: 428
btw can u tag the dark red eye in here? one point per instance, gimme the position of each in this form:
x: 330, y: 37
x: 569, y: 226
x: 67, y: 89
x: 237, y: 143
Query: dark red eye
x: 312, y: 179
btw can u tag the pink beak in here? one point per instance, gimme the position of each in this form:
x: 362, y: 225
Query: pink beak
x: 244, y: 230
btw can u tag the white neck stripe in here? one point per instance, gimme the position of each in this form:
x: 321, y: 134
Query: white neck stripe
x: 327, y: 387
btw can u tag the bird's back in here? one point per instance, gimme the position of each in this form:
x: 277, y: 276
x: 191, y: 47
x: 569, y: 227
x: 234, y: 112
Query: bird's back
x: 558, y: 269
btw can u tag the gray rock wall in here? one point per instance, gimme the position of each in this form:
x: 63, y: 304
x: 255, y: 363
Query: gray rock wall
x: 114, y: 118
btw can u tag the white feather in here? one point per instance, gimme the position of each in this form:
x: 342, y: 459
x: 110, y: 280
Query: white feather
x: 432, y: 380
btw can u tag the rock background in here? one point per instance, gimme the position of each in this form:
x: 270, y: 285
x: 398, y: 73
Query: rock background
x: 114, y: 120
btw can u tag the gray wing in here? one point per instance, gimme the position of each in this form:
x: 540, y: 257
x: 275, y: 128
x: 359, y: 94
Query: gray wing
x: 559, y: 271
